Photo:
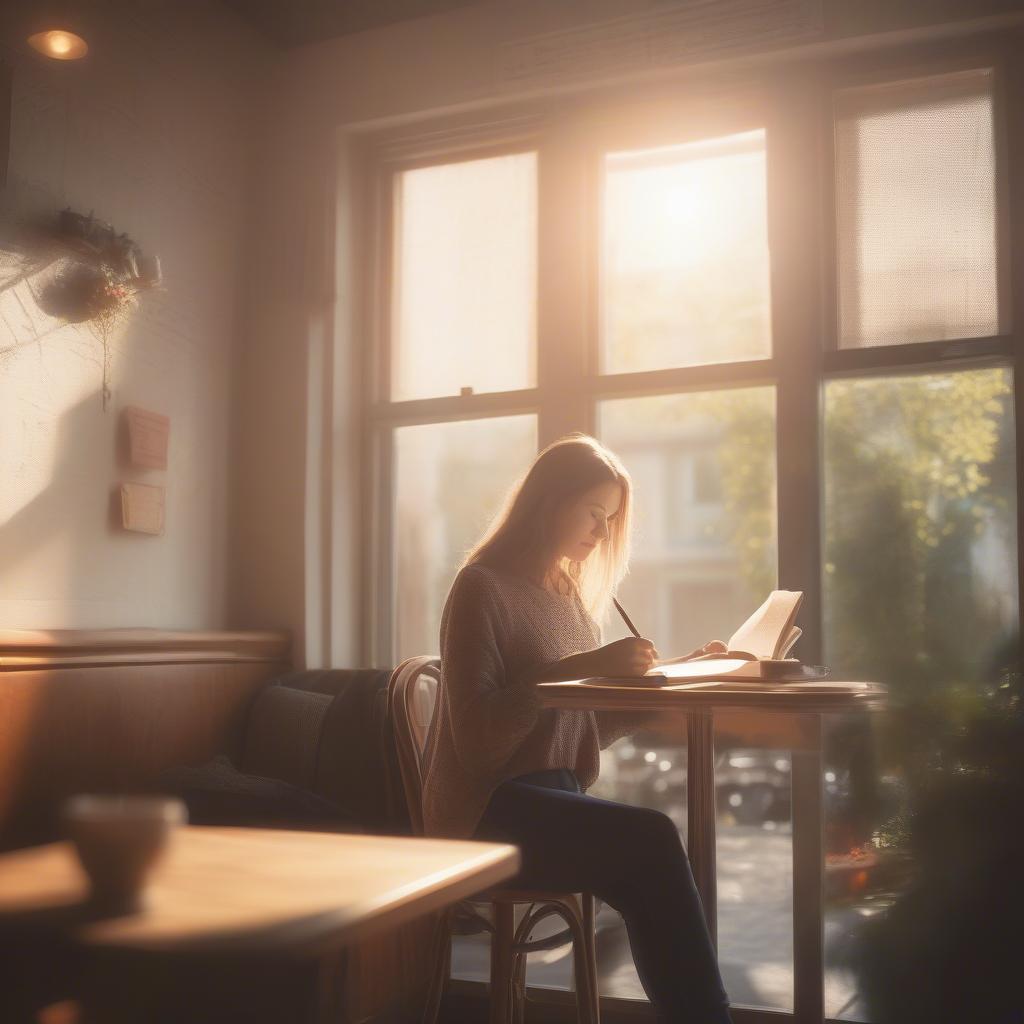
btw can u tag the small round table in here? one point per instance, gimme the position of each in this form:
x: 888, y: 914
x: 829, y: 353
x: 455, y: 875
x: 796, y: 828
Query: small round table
x: 805, y: 703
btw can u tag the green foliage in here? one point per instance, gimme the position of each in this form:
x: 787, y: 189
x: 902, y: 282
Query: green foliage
x: 745, y: 422
x: 918, y: 519
x: 909, y: 466
x: 948, y: 948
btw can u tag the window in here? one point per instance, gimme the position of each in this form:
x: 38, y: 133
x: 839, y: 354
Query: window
x: 686, y: 284
x: 462, y: 296
x: 450, y: 479
x: 718, y: 557
x: 919, y: 525
x: 465, y: 277
x: 774, y: 438
x: 916, y: 211
x: 685, y: 255
x: 920, y: 580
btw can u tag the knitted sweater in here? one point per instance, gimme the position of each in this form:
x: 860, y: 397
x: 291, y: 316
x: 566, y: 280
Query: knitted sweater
x: 498, y: 630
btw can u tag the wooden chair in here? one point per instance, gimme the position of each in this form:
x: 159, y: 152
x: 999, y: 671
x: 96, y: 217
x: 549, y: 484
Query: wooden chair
x: 412, y: 696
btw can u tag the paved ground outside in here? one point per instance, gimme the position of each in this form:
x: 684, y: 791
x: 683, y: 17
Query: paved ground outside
x: 755, y: 934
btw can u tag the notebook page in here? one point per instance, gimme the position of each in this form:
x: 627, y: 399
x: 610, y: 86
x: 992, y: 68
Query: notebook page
x: 771, y: 686
x: 794, y: 634
x: 762, y: 634
x: 707, y: 667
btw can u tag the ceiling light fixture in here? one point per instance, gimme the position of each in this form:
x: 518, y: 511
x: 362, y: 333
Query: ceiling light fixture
x: 59, y: 44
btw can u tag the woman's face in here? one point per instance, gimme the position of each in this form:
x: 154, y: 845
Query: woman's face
x: 583, y: 523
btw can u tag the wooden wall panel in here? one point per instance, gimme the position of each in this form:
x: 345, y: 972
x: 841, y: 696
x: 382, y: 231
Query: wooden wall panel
x: 108, y: 711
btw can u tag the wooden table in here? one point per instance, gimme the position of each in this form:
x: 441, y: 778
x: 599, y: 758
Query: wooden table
x: 250, y: 898
x: 805, y: 704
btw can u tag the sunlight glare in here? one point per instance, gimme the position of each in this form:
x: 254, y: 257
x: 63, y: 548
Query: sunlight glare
x: 685, y: 254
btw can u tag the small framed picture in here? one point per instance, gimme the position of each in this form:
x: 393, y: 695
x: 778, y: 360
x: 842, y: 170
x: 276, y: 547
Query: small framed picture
x: 142, y: 508
x: 148, y: 436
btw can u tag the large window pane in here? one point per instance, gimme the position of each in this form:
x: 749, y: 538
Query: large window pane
x: 916, y: 211
x: 754, y: 859
x: 685, y: 255
x: 704, y: 553
x: 920, y: 559
x: 450, y: 478
x: 920, y: 593
x: 465, y: 278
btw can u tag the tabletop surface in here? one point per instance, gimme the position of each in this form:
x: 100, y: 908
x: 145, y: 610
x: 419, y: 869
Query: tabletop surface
x: 257, y: 888
x: 790, y: 698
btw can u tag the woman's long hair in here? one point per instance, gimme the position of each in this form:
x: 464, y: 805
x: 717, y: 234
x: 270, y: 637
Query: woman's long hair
x: 522, y: 533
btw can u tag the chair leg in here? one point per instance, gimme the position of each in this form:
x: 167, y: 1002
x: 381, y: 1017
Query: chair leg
x: 590, y: 941
x: 583, y: 980
x: 501, y: 963
x: 519, y: 989
x: 442, y: 955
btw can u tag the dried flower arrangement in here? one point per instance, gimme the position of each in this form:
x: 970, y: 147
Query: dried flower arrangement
x: 105, y: 271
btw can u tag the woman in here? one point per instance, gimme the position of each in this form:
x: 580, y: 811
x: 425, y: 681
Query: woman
x: 522, y: 610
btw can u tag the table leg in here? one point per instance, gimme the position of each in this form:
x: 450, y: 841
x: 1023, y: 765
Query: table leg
x: 808, y: 878
x: 700, y: 812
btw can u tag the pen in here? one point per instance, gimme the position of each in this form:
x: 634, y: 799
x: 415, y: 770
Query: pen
x: 625, y: 617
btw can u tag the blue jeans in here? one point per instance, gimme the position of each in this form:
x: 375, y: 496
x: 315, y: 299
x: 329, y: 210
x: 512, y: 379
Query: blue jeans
x: 631, y: 858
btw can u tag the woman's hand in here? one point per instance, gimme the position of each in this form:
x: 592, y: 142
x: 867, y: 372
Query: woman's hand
x: 711, y: 647
x: 631, y: 656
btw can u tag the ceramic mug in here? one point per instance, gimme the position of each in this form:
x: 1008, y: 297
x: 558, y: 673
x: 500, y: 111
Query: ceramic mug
x: 119, y: 839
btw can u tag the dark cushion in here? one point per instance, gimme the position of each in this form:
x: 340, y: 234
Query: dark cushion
x: 282, y: 735
x: 217, y: 793
x: 357, y: 766
x: 328, y: 726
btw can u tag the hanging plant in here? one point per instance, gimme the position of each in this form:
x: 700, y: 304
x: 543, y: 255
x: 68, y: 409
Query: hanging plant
x: 108, y: 296
x: 104, y: 272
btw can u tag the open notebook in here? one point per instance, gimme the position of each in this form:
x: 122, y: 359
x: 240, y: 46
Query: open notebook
x: 757, y: 650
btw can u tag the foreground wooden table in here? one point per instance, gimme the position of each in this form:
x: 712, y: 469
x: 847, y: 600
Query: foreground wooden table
x: 804, y: 704
x: 243, y: 900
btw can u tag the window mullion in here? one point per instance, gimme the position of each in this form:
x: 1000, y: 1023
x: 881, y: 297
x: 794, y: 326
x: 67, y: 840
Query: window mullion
x: 380, y: 587
x: 564, y: 323
x: 455, y: 407
x: 795, y: 169
x: 794, y: 224
x: 1014, y: 183
x: 377, y: 477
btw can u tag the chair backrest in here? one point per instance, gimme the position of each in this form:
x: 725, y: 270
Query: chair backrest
x: 412, y: 696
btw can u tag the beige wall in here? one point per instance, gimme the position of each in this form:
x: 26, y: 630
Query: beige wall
x: 161, y: 132
x: 155, y: 133
x: 300, y: 564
